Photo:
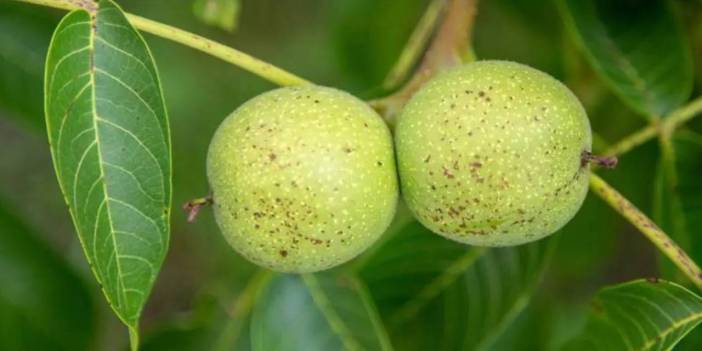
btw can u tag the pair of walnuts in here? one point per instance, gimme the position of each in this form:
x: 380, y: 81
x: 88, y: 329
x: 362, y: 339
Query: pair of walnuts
x: 490, y: 154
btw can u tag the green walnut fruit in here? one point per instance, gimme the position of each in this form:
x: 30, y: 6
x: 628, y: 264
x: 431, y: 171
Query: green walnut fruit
x: 303, y: 178
x: 490, y: 154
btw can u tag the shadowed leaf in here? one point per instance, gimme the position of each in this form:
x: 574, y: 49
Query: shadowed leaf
x: 43, y: 303
x: 316, y: 312
x: 464, y: 297
x: 678, y: 196
x: 637, y: 47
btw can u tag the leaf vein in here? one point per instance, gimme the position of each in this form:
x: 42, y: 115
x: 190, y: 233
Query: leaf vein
x: 136, y: 180
x: 148, y: 151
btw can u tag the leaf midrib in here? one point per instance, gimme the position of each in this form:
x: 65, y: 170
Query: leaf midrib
x: 674, y: 324
x: 335, y: 322
x: 623, y: 62
x: 75, y: 216
x: 438, y: 284
x: 121, y: 291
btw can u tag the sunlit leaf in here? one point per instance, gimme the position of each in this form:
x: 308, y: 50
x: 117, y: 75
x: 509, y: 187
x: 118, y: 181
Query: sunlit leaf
x: 220, y: 13
x: 43, y: 303
x: 316, y: 312
x: 637, y: 47
x: 639, y: 315
x: 110, y: 145
x: 462, y: 296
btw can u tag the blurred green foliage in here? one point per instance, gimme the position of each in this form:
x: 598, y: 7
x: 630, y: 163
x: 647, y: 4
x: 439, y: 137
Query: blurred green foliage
x: 40, y: 294
x: 24, y: 39
x: 219, y: 13
x: 349, y: 44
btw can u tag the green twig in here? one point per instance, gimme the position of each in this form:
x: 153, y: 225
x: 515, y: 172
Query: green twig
x: 684, y: 114
x: 633, y: 140
x: 230, y: 55
x: 415, y: 44
x: 673, y: 121
x: 648, y: 228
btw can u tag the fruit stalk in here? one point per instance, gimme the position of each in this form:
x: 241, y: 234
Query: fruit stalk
x: 600, y: 161
x: 225, y: 53
x: 648, y: 228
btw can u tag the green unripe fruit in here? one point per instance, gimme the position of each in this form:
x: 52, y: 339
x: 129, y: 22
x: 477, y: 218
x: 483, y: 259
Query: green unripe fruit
x: 303, y: 178
x: 490, y: 154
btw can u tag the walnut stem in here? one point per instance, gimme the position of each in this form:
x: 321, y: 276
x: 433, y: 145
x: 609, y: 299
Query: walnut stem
x: 416, y: 44
x: 449, y: 47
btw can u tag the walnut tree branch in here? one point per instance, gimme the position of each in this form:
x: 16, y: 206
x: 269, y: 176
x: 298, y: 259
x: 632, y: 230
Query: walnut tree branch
x: 450, y: 46
x: 416, y: 44
x: 225, y: 53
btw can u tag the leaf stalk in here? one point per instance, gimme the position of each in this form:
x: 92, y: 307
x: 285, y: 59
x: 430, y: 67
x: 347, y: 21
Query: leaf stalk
x: 648, y: 228
x: 666, y: 125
